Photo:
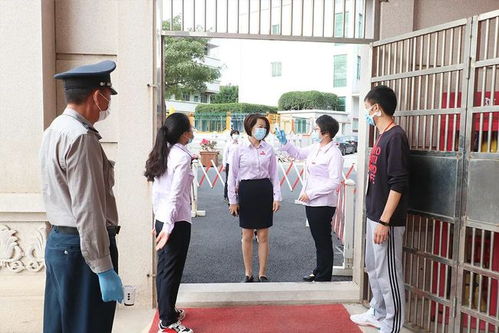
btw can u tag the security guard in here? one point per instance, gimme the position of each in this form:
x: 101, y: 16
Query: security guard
x: 82, y: 284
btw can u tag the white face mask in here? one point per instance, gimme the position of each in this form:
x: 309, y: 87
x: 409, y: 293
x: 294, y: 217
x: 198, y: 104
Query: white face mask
x: 103, y: 114
x: 235, y: 137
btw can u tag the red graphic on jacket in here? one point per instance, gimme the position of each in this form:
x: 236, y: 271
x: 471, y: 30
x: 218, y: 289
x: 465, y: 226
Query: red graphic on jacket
x: 373, y: 160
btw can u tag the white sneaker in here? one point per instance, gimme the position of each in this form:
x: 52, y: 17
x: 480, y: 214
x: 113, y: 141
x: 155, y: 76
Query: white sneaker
x: 174, y: 328
x: 366, y: 319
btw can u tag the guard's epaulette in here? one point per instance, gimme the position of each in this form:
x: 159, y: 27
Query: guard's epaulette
x: 91, y: 129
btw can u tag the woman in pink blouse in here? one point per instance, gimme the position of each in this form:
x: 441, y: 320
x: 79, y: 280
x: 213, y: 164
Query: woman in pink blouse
x: 324, y: 166
x: 169, y: 166
x: 254, y: 192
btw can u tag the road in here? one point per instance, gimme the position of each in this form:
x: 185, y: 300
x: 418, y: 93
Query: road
x: 215, y: 250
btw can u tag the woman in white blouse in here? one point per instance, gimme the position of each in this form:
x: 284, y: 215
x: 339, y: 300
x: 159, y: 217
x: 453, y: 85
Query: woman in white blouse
x: 254, y: 192
x: 324, y: 166
x: 227, y: 155
x: 169, y: 167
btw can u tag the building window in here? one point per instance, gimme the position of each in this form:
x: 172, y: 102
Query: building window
x: 204, y: 98
x: 186, y: 97
x: 301, y: 126
x: 341, y: 103
x: 196, y: 98
x: 276, y: 29
x: 355, y: 125
x: 360, y: 26
x: 340, y: 71
x: 338, y: 24
x: 358, y: 67
x: 276, y: 69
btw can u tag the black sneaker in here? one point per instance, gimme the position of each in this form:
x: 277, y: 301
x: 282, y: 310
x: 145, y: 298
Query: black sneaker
x: 174, y: 328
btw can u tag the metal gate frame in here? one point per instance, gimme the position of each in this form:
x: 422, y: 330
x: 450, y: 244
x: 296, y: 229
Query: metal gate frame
x: 479, y: 222
x: 299, y: 20
x: 434, y: 73
x: 370, y: 32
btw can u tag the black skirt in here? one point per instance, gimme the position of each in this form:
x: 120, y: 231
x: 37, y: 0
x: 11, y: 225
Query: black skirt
x: 256, y: 198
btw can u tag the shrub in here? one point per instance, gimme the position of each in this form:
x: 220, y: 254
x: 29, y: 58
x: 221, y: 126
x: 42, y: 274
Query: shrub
x: 307, y: 100
x: 222, y: 109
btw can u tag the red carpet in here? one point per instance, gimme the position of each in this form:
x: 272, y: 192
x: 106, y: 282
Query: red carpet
x: 333, y: 318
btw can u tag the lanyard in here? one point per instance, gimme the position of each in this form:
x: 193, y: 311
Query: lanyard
x: 379, y: 137
x: 184, y: 150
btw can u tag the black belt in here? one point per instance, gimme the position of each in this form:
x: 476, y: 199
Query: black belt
x: 112, y: 230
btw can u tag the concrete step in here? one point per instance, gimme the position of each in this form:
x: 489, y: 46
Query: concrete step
x: 275, y: 293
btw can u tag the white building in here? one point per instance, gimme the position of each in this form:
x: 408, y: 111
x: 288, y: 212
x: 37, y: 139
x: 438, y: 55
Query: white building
x: 264, y: 70
x: 188, y: 102
x: 271, y: 68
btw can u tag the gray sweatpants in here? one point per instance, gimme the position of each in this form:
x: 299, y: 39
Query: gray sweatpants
x: 386, y: 277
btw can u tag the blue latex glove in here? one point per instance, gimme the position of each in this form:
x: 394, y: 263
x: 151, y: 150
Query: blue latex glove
x: 281, y: 136
x: 110, y: 286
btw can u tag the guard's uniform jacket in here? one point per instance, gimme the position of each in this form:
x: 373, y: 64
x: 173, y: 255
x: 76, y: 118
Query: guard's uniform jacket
x: 77, y: 185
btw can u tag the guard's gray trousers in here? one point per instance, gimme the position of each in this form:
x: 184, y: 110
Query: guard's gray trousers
x: 386, y: 277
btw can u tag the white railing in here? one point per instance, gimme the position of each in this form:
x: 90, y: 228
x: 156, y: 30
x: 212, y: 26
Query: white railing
x: 343, y: 222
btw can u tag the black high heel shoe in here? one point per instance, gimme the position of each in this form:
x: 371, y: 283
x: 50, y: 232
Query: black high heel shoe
x: 309, y: 278
x: 248, y: 279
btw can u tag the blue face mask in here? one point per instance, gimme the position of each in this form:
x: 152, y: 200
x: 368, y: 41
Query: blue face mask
x: 259, y: 133
x: 315, y: 137
x: 370, y: 117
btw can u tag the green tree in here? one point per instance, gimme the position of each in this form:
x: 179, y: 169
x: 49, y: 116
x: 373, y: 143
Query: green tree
x: 227, y: 94
x: 185, y: 72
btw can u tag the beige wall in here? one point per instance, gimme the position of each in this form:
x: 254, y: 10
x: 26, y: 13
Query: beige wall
x: 427, y: 15
x: 24, y: 91
x: 40, y: 38
x: 401, y: 16
x: 397, y: 17
x: 27, y: 103
x: 136, y: 123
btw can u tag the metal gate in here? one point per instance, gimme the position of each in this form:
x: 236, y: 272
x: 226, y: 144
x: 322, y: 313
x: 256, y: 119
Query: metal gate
x: 336, y: 21
x: 446, y: 82
x: 332, y: 21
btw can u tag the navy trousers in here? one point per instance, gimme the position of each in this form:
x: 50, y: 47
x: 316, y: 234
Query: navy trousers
x: 171, y: 262
x: 73, y: 301
x: 319, y: 219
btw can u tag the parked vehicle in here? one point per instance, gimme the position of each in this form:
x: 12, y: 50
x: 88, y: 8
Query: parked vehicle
x: 346, y: 146
x: 353, y: 139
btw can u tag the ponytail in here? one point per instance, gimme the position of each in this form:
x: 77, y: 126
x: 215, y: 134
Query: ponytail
x: 158, y: 158
x: 169, y: 134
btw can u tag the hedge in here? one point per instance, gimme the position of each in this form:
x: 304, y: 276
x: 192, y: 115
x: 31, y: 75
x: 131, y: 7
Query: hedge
x: 307, y: 100
x: 234, y: 108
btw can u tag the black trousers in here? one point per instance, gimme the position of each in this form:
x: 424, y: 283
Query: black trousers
x: 319, y: 219
x: 226, y: 197
x: 73, y: 301
x: 171, y: 262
